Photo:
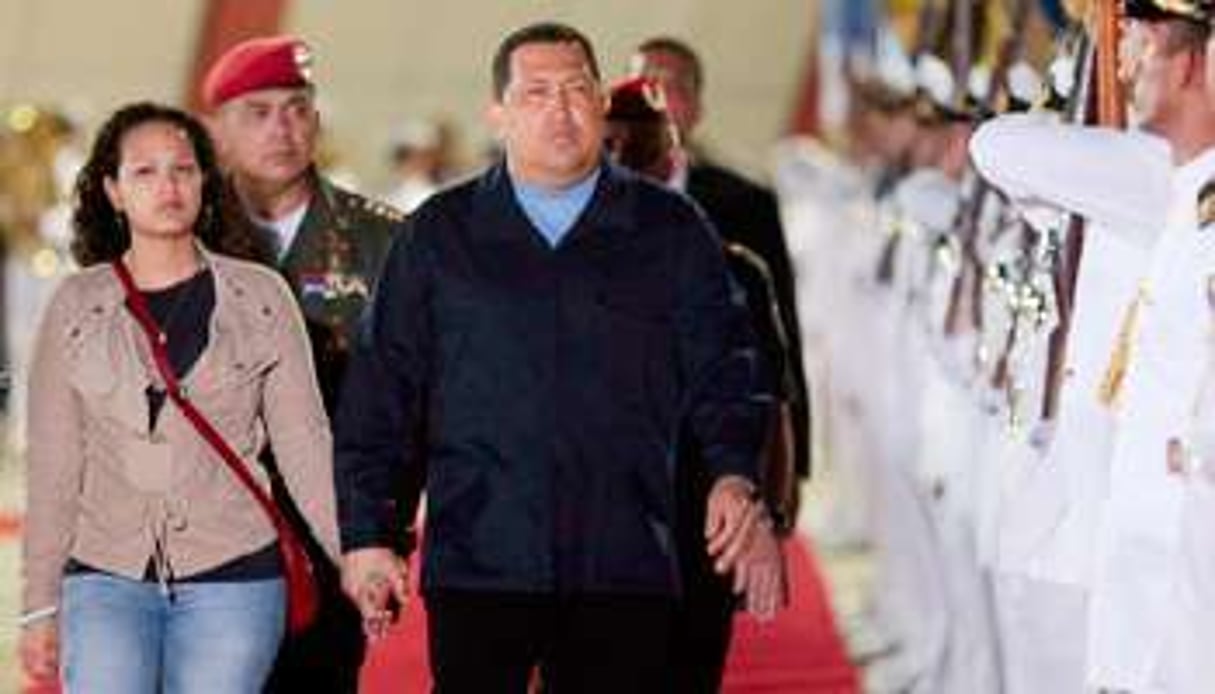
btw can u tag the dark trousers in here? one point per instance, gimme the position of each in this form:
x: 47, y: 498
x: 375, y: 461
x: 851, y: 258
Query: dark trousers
x: 701, y: 632
x: 490, y: 643
x: 704, y: 618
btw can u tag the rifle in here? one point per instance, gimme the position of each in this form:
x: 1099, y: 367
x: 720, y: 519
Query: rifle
x: 970, y: 213
x: 1026, y: 298
x: 928, y: 25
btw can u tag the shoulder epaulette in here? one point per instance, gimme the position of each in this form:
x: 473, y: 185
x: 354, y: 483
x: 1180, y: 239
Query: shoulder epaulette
x: 382, y: 209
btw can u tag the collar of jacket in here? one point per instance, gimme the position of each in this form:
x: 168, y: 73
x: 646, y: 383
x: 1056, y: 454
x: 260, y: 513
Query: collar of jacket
x: 110, y: 298
x: 324, y: 204
x: 609, y: 215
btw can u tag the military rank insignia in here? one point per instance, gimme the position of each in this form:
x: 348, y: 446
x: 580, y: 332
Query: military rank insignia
x: 1206, y: 204
x: 383, y: 210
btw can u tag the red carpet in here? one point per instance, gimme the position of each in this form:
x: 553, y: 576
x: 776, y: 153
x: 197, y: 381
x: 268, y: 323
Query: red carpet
x: 798, y: 653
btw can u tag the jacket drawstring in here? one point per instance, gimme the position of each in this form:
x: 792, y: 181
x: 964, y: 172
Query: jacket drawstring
x: 162, y: 564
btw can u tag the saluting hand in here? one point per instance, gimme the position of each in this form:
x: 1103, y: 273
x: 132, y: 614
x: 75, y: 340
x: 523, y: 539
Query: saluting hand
x: 377, y: 580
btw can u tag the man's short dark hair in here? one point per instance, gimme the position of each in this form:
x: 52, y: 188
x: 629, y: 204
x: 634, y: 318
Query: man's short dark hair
x: 680, y: 48
x: 1186, y: 36
x: 541, y: 32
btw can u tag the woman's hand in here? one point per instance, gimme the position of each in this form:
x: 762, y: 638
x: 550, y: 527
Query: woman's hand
x: 39, y: 647
x: 377, y: 580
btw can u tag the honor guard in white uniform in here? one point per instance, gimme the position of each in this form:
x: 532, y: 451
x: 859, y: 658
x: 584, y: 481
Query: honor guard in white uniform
x: 933, y: 400
x: 830, y: 204
x: 1185, y: 665
x: 1052, y: 499
x: 1132, y: 188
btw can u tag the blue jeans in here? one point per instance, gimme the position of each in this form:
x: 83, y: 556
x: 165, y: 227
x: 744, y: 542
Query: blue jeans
x: 120, y: 636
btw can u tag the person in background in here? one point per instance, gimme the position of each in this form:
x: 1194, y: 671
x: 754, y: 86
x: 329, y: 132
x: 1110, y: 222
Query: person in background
x: 640, y: 136
x: 741, y: 211
x: 147, y: 566
x: 417, y: 162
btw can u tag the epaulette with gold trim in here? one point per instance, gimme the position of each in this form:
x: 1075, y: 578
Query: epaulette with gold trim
x: 383, y: 209
x: 1206, y: 204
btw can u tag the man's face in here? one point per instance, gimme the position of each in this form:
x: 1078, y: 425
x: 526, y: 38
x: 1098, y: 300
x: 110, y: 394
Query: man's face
x: 269, y: 135
x: 1153, y: 74
x: 886, y: 138
x: 674, y: 73
x: 551, y: 114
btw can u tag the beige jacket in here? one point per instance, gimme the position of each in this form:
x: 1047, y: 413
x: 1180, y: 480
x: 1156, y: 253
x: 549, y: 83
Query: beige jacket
x: 102, y: 491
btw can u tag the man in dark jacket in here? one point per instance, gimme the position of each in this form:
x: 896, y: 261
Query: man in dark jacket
x: 742, y: 212
x: 554, y: 323
x: 329, y: 244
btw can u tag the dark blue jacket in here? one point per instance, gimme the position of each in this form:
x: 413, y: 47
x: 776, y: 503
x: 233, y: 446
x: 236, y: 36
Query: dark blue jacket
x: 551, y: 384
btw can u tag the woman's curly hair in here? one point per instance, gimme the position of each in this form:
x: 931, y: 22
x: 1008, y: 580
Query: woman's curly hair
x: 100, y: 234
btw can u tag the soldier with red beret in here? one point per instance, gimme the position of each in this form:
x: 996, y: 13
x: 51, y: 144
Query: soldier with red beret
x: 328, y: 243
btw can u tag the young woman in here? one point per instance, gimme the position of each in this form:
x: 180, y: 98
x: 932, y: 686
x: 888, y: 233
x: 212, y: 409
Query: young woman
x: 148, y: 567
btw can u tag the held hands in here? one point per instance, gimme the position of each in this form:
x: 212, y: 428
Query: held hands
x: 377, y: 580
x: 761, y: 574
x: 741, y: 540
x: 40, y: 651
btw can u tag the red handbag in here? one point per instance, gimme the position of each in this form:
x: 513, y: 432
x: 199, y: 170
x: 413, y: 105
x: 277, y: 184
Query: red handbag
x: 303, y: 599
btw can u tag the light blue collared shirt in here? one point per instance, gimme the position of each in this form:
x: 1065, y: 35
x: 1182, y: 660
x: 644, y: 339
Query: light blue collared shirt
x: 554, y: 211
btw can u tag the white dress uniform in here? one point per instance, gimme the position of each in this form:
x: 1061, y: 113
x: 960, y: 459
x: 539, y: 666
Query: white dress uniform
x: 1142, y: 524
x: 827, y: 206
x: 1053, y: 502
x: 1048, y: 169
x: 855, y: 353
x: 1185, y: 666
x: 936, y: 398
x: 910, y: 571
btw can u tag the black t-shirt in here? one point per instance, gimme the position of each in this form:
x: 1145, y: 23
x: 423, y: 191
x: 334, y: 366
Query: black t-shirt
x: 183, y: 312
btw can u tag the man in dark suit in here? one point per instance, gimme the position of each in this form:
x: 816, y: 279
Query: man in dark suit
x: 742, y: 211
x: 329, y: 244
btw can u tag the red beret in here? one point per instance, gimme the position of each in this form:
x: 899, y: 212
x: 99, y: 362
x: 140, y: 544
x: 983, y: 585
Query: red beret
x: 638, y: 99
x: 260, y: 63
